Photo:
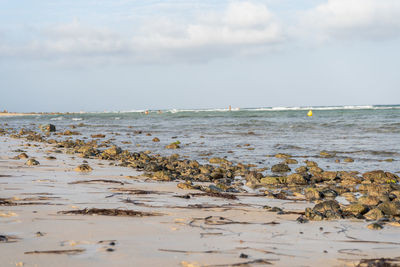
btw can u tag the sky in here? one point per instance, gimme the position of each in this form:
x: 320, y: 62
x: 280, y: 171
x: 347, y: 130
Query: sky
x: 122, y: 55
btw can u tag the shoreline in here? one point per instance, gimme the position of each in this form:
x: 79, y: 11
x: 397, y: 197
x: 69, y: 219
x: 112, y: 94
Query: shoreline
x: 263, y: 227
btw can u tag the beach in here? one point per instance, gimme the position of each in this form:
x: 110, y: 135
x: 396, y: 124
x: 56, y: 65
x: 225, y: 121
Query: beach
x: 76, y: 195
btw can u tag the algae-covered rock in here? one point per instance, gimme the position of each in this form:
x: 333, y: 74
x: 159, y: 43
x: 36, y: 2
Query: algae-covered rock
x: 47, y: 128
x: 374, y: 214
x: 312, y: 194
x: 83, y: 168
x: 112, y: 151
x: 390, y: 208
x: 280, y: 168
x: 356, y: 209
x: 296, y: 178
x: 174, y: 145
x: 290, y: 161
x: 269, y: 180
x: 375, y: 226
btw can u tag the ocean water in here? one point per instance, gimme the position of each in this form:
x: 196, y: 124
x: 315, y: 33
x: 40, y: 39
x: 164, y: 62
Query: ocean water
x: 368, y: 134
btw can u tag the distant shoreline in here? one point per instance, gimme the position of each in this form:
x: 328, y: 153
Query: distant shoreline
x: 10, y: 114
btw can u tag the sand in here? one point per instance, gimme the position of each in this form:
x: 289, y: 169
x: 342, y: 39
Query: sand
x: 200, y: 231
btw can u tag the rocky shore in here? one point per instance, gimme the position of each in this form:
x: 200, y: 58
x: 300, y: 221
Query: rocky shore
x: 371, y: 197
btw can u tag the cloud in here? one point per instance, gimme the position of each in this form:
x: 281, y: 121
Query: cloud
x: 353, y: 19
x: 240, y: 28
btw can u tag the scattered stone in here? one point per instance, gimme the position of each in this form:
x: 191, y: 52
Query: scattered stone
x: 356, y: 209
x: 156, y: 139
x: 311, y: 163
x: 282, y: 156
x: 22, y: 156
x: 312, y: 194
x: 374, y: 214
x: 296, y: 178
x: 280, y: 168
x: 325, y: 154
x: 269, y: 180
x: 174, y: 145
x: 83, y: 168
x: 32, y: 162
x: 390, y: 208
x: 47, y: 128
x: 375, y: 226
x: 348, y: 160
x: 98, y: 135
x: 291, y: 161
x: 368, y: 200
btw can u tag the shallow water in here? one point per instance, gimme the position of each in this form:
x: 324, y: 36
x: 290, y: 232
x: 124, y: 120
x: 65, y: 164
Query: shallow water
x: 368, y: 134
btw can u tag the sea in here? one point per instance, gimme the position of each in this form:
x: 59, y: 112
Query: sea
x: 370, y: 135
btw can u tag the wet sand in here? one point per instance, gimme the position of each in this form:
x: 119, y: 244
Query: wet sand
x: 196, y: 231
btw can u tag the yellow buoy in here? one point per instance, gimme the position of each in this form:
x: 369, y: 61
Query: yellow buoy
x: 309, y: 114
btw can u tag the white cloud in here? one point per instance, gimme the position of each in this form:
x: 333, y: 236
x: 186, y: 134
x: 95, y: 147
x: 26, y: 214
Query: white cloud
x: 353, y: 19
x: 239, y: 28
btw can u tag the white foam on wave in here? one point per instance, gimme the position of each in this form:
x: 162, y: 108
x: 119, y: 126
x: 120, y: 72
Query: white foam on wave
x: 77, y: 119
x: 279, y: 108
x: 314, y: 108
x: 57, y: 119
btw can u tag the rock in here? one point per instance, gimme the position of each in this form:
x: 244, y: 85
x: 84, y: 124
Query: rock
x: 328, y: 205
x: 374, y: 214
x: 316, y: 170
x: 69, y: 132
x: 156, y: 139
x: 32, y: 162
x: 390, y: 208
x: 374, y: 226
x: 301, y: 219
x: 325, y: 154
x: 296, y: 178
x: 47, y: 128
x: 310, y: 214
x: 269, y: 180
x: 98, y: 135
x: 329, y: 193
x: 329, y: 210
x: 112, y: 151
x: 282, y: 156
x: 301, y: 169
x: 186, y: 186
x: 350, y: 197
x: 356, y: 209
x: 290, y: 161
x: 348, y: 160
x: 329, y: 175
x: 218, y: 161
x: 22, y: 156
x: 280, y: 168
x: 214, y: 189
x: 368, y: 200
x: 312, y: 194
x: 83, y: 168
x: 174, y: 145
x: 162, y: 176
x: 311, y: 163
x: 253, y: 176
x: 380, y: 176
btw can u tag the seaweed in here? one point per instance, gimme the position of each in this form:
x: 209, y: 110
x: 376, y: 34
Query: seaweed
x: 64, y: 251
x: 110, y: 212
x: 97, y: 181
